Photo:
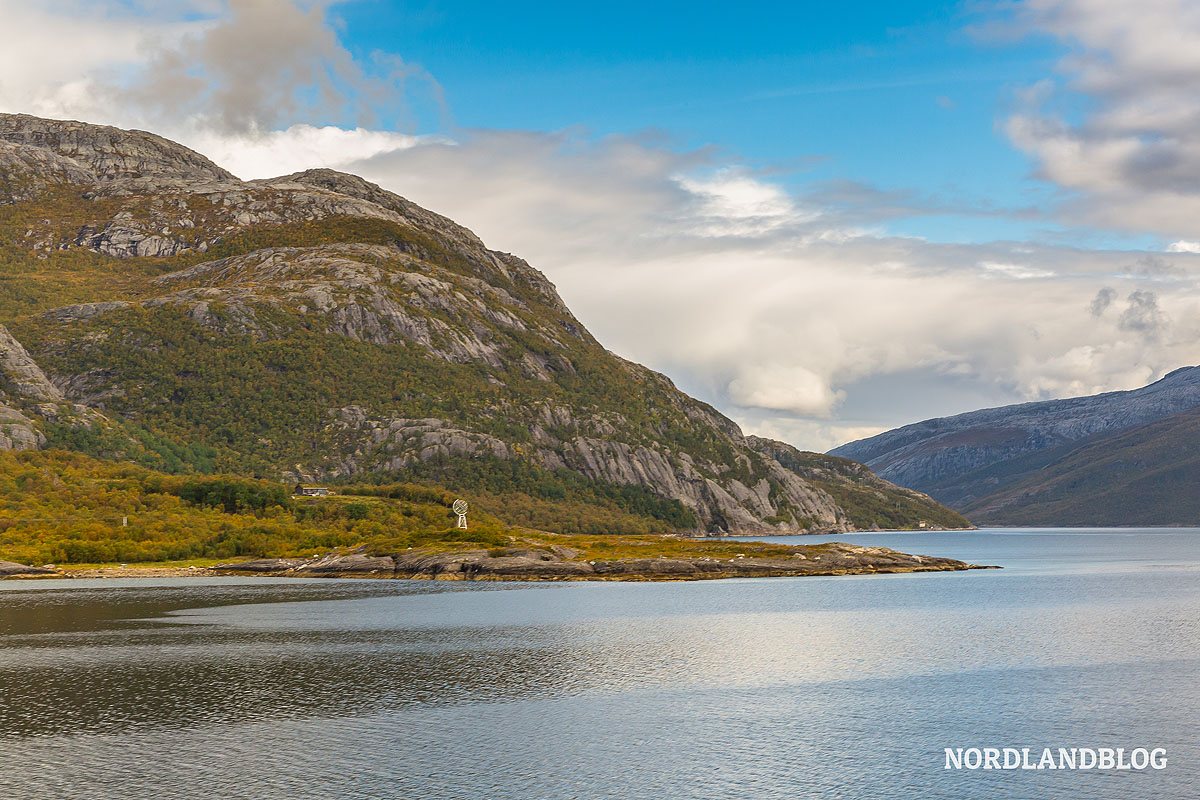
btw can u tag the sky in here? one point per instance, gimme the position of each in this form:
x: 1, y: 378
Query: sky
x: 825, y: 219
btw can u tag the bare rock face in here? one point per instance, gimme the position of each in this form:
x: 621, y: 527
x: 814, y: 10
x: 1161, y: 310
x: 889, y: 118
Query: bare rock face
x: 362, y: 292
x: 187, y: 217
x: 84, y: 311
x: 396, y: 443
x: 109, y: 154
x: 346, y: 185
x: 17, y: 431
x: 28, y: 399
x: 27, y: 171
x: 20, y: 375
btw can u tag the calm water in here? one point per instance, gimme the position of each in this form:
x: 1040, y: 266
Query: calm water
x: 761, y: 688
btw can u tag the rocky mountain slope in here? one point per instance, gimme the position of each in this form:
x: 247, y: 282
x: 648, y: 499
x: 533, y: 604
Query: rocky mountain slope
x: 316, y: 327
x: 991, y: 463
x: 1144, y: 475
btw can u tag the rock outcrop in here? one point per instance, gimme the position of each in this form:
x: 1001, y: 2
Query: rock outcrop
x: 28, y: 400
x: 26, y: 395
x: 102, y: 154
x: 18, y: 432
x: 11, y: 569
x: 20, y: 375
x: 25, y: 172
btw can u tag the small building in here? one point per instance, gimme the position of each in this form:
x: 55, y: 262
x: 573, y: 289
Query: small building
x: 311, y: 491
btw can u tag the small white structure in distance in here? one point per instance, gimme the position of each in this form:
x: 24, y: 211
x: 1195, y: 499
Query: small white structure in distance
x: 460, y: 508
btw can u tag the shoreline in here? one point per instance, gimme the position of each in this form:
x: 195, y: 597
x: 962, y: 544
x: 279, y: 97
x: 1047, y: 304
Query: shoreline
x: 801, y: 534
x: 136, y: 573
x: 532, y: 564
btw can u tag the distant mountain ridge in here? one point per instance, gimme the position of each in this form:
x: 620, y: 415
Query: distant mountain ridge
x: 1144, y: 475
x: 318, y: 327
x: 1037, y: 463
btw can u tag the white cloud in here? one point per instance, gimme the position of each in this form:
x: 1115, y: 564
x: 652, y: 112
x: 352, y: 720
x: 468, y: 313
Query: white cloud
x: 237, y: 67
x: 784, y: 387
x: 1133, y: 155
x: 1018, y: 271
x: 48, y: 51
x: 299, y: 147
x: 731, y: 202
x: 1183, y: 246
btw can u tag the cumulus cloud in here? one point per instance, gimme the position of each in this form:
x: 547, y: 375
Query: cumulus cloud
x: 235, y: 68
x: 1133, y: 155
x: 783, y: 387
x: 262, y: 65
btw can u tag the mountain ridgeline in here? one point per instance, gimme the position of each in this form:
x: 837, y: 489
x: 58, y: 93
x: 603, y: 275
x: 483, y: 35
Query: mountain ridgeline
x: 315, y: 327
x: 1120, y: 458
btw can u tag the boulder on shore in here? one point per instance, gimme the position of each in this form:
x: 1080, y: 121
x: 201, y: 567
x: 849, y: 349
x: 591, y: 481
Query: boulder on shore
x: 10, y: 569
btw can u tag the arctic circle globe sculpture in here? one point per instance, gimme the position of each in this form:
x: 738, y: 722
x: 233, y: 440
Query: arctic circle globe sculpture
x: 460, y: 508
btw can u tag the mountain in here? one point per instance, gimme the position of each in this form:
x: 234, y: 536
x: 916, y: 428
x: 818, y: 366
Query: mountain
x: 1111, y: 458
x: 1144, y: 475
x: 315, y: 327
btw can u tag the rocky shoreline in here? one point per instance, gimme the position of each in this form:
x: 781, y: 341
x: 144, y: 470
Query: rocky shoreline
x: 554, y: 563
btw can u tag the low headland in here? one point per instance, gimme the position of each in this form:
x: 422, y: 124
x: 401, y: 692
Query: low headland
x: 69, y: 515
x: 544, y: 557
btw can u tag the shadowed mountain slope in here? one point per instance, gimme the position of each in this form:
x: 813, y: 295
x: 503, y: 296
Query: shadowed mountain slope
x: 1079, y: 461
x: 1145, y: 475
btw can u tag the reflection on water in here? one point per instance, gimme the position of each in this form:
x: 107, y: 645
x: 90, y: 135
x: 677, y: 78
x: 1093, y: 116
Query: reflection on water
x: 790, y: 687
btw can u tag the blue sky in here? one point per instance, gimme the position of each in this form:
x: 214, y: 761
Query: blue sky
x: 899, y: 96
